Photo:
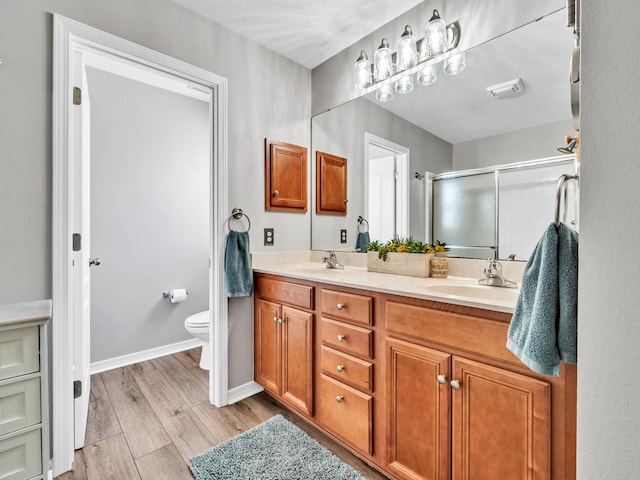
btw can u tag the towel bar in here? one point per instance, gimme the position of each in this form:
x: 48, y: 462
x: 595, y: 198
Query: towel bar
x: 237, y: 214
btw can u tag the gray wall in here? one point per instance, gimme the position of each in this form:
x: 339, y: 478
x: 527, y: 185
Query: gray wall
x: 519, y: 146
x: 149, y: 213
x: 276, y: 103
x: 333, y: 80
x: 609, y: 322
x: 340, y: 131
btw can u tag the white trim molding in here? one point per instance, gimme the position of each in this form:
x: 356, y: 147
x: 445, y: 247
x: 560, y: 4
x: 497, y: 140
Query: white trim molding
x: 71, y: 36
x: 244, y: 391
x: 130, y: 359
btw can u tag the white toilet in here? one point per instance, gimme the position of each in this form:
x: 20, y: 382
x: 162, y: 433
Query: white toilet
x: 198, y: 326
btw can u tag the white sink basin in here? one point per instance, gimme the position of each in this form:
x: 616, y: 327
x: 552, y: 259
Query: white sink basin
x: 475, y: 291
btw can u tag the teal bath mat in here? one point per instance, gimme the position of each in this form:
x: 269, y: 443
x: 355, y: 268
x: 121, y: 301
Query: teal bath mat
x: 274, y: 450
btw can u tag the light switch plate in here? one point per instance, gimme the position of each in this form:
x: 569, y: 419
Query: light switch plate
x: 268, y: 236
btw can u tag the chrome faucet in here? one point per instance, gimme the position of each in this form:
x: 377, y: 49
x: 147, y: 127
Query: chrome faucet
x: 494, y: 277
x: 332, y: 261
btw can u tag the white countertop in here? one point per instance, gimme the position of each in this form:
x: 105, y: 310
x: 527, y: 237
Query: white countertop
x: 28, y: 312
x: 454, y: 290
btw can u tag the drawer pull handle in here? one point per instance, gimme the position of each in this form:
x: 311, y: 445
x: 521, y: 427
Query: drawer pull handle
x: 442, y: 379
x: 340, y: 368
x: 339, y: 398
x: 341, y: 338
x: 340, y: 306
x: 455, y: 384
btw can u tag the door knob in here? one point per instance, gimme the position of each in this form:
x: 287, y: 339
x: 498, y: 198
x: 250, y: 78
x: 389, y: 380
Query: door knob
x: 341, y: 338
x: 442, y: 379
x: 339, y: 398
x: 455, y: 384
x: 340, y: 306
x: 94, y: 261
x: 340, y: 368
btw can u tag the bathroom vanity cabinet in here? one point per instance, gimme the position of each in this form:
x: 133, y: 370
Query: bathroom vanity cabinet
x: 425, y: 389
x: 283, y: 348
x: 24, y: 438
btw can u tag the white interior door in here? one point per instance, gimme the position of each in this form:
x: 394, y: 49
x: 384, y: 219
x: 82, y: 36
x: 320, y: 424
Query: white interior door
x: 81, y: 263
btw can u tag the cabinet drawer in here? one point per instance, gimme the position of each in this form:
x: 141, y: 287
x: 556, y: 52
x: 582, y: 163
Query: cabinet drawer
x: 285, y: 292
x: 19, y: 352
x: 346, y: 412
x: 21, y: 456
x: 19, y: 405
x: 347, y: 306
x: 479, y: 335
x: 347, y: 338
x: 357, y: 373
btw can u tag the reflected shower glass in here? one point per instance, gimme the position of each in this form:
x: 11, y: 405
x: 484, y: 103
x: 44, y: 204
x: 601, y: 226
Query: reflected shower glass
x: 464, y: 214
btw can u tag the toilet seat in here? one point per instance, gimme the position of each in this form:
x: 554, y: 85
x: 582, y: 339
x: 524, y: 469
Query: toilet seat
x: 198, y: 320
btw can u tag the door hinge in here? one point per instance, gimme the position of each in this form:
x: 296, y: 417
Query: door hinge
x: 77, y: 388
x: 77, y: 96
x: 77, y: 242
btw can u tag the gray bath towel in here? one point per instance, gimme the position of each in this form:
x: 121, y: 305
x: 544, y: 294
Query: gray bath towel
x: 543, y: 329
x: 237, y: 265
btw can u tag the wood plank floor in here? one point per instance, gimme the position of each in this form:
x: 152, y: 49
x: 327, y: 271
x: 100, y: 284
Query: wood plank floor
x: 146, y: 420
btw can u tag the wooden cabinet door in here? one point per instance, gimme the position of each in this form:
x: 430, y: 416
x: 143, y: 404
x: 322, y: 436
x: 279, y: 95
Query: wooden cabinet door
x: 267, y: 352
x: 286, y: 176
x: 501, y: 424
x: 297, y: 359
x: 331, y: 184
x: 418, y: 415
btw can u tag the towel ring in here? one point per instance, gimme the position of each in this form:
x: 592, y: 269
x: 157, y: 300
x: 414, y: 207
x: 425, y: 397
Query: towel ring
x: 561, y: 193
x: 362, y: 220
x: 237, y: 214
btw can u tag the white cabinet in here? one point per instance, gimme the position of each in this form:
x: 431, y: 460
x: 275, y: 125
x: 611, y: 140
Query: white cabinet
x: 24, y: 443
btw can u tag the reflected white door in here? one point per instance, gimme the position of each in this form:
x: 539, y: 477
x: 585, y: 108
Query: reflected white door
x: 81, y: 267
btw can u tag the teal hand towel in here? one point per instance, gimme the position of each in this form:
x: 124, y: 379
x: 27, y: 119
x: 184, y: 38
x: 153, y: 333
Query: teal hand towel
x: 237, y: 265
x: 543, y: 329
x: 362, y: 241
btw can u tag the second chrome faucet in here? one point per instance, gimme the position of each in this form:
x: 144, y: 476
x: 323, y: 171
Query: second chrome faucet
x: 332, y: 261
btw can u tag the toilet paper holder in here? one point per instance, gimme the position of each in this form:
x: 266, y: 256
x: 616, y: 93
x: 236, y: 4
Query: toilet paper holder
x: 168, y: 293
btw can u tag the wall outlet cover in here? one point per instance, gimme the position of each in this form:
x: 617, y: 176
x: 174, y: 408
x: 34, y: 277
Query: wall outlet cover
x: 268, y: 236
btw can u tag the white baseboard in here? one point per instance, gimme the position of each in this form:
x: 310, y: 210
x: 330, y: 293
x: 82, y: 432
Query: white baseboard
x: 244, y: 391
x: 123, y: 361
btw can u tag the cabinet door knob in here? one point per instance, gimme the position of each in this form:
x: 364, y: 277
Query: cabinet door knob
x: 340, y: 306
x: 275, y: 319
x: 339, y: 398
x: 455, y: 384
x: 442, y: 379
x: 340, y: 368
x: 280, y: 320
x: 276, y: 193
x: 341, y: 338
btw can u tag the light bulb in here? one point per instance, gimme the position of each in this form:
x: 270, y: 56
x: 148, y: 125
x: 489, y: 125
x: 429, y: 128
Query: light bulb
x: 382, y: 62
x: 406, y: 52
x: 384, y: 93
x: 428, y: 75
x: 454, y: 64
x: 404, y: 84
x: 362, y: 70
x: 435, y: 35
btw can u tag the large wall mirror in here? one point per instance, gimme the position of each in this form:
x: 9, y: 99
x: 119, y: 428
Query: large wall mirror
x: 454, y: 124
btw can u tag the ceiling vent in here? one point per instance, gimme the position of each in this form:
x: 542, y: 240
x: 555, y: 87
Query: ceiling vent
x: 506, y: 89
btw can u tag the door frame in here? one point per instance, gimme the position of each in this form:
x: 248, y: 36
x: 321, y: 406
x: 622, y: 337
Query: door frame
x: 402, y: 156
x: 70, y: 36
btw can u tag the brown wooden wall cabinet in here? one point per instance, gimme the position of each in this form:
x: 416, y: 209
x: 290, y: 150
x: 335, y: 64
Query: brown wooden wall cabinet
x: 286, y: 176
x: 418, y: 389
x: 331, y: 184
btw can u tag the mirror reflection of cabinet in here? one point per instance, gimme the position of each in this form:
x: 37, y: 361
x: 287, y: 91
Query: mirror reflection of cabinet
x: 286, y: 176
x: 331, y: 184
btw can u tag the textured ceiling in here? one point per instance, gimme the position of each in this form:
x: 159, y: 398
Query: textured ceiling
x: 308, y: 32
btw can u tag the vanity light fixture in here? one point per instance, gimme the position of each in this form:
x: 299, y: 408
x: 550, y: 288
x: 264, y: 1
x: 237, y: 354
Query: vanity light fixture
x: 412, y: 57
